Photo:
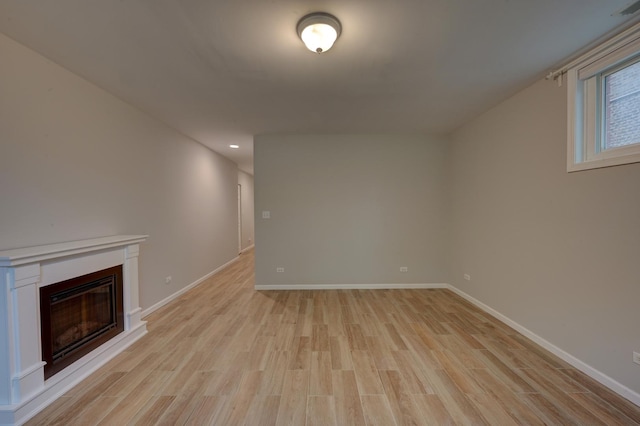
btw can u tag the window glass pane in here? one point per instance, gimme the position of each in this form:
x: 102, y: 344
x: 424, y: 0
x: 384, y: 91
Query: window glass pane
x: 622, y: 105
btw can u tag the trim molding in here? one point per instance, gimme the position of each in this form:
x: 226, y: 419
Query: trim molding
x: 597, y: 375
x: 348, y: 286
x: 183, y: 290
x: 246, y: 249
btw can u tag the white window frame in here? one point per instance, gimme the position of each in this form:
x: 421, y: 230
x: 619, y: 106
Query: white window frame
x: 585, y: 76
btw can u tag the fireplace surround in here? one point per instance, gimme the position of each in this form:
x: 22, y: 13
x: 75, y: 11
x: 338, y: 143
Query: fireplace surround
x: 25, y: 389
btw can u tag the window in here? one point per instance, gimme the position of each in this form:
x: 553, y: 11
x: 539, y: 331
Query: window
x: 604, y: 105
x: 621, y: 119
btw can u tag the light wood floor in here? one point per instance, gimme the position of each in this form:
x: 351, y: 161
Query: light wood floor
x: 227, y: 354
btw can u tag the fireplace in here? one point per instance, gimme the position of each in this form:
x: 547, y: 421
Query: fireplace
x: 31, y: 275
x: 78, y: 315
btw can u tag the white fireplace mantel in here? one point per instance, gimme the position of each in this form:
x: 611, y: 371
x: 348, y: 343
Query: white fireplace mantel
x: 23, y: 389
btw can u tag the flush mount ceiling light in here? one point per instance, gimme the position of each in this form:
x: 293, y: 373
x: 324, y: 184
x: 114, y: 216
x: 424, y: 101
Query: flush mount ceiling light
x: 319, y: 31
x: 234, y: 146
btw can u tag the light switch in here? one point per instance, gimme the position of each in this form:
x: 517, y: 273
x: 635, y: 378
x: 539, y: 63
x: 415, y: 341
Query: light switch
x: 266, y: 214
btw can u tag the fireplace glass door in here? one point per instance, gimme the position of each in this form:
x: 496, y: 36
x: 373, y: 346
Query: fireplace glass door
x: 78, y: 315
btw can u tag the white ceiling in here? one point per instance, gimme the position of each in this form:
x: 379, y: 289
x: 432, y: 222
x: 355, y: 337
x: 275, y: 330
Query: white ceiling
x: 221, y: 71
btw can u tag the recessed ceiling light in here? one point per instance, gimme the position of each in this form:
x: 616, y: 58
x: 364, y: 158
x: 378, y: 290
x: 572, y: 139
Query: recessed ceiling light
x: 234, y: 146
x: 319, y: 31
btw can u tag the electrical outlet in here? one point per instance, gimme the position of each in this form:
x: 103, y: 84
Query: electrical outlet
x: 636, y: 357
x: 167, y: 280
x: 279, y: 269
x: 467, y: 277
x: 404, y: 269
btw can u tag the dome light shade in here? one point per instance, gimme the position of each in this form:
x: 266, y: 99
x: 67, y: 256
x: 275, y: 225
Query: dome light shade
x: 319, y: 31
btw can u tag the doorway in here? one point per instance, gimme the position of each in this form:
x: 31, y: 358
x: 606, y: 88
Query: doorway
x: 239, y: 218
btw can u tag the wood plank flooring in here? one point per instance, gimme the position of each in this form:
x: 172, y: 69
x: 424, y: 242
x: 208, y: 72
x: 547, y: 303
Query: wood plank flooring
x: 226, y: 354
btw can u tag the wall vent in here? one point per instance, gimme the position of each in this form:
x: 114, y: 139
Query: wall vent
x: 630, y: 9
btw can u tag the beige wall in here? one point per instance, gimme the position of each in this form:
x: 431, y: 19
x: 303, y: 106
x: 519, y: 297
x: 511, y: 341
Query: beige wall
x: 76, y: 163
x: 350, y: 209
x: 556, y: 252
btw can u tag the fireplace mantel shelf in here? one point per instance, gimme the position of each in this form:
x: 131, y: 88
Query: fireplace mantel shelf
x: 23, y: 256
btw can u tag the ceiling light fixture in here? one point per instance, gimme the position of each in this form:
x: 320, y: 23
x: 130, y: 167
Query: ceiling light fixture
x: 234, y: 146
x: 319, y: 31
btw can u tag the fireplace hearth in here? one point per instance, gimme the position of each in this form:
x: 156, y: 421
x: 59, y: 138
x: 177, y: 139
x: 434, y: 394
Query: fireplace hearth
x: 78, y: 315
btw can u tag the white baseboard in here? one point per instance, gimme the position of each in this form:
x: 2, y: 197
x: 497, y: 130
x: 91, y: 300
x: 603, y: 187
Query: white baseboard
x: 348, y: 286
x: 183, y: 290
x: 597, y: 375
x: 246, y: 249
